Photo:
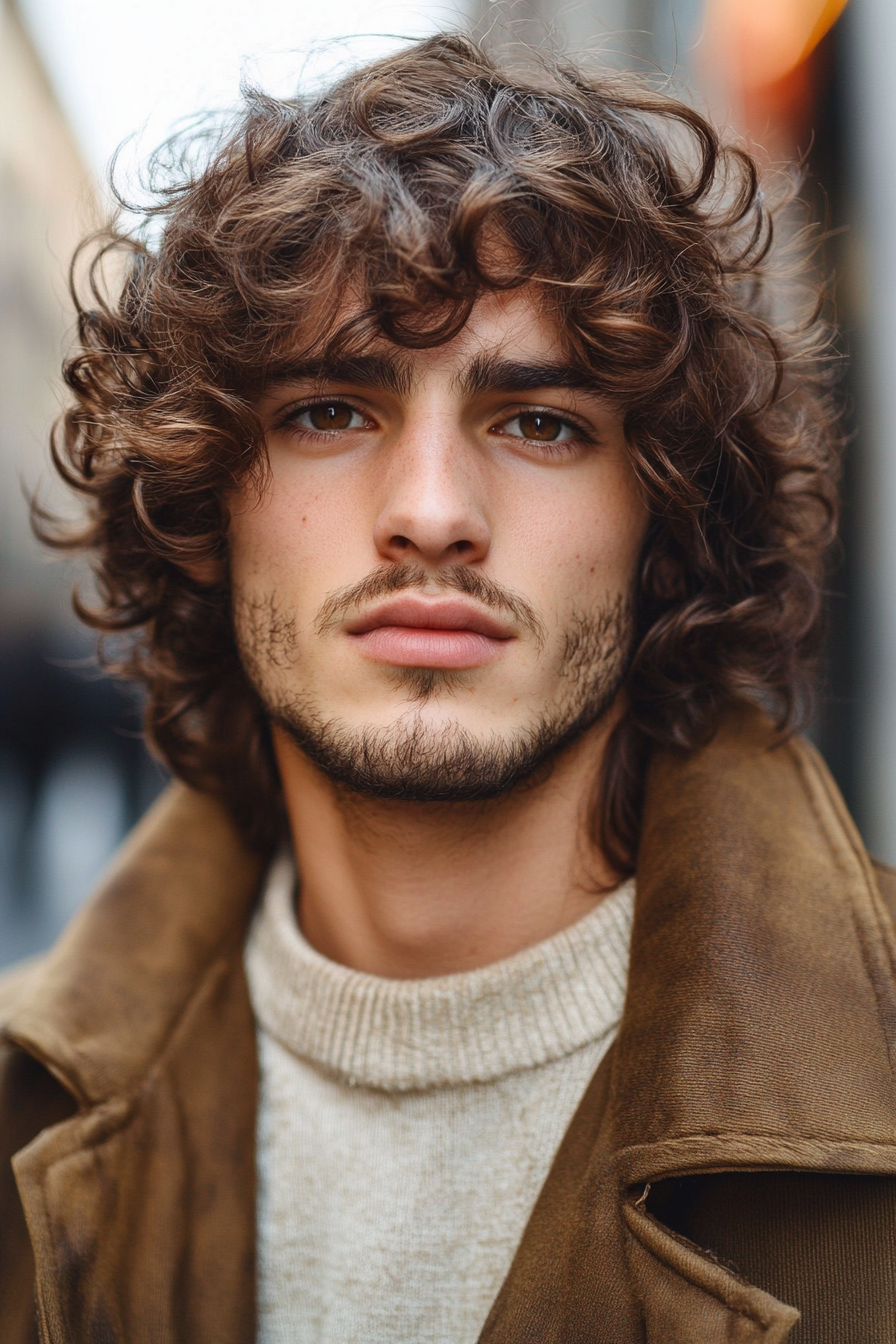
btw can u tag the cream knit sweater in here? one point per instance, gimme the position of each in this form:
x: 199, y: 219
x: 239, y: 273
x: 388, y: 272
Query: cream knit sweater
x: 407, y: 1126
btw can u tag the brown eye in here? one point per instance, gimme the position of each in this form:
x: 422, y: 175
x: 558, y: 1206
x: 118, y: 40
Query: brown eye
x: 539, y: 426
x: 330, y: 415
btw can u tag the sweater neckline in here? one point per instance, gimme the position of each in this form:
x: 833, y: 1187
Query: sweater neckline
x: 470, y: 1027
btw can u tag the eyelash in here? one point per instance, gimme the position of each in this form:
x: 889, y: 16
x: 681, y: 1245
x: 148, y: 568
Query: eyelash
x: 548, y: 448
x: 289, y: 418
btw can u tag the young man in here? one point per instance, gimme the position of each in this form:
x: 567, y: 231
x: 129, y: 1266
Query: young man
x: 500, y: 969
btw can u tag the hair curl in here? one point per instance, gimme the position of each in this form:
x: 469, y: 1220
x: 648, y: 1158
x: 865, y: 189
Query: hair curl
x: 649, y: 238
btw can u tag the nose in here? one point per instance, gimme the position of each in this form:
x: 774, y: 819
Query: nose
x: 433, y: 510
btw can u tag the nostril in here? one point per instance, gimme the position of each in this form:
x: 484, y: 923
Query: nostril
x: 431, y: 545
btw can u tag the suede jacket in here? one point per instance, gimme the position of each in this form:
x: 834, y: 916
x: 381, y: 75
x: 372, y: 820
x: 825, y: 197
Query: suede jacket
x: 730, y: 1174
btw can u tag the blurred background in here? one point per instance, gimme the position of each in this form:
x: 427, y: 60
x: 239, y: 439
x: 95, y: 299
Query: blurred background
x: 807, y: 80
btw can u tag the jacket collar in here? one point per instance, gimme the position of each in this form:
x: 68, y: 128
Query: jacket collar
x: 761, y: 1011
x: 761, y: 1007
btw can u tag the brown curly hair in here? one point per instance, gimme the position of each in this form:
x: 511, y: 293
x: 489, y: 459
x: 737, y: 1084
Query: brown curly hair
x: 649, y: 238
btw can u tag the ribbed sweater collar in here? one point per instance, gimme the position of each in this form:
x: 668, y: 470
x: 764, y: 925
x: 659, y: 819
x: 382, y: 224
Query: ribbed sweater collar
x: 402, y: 1035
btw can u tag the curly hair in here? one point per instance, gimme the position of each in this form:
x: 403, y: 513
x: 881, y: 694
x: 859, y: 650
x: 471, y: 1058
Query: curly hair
x: 648, y: 237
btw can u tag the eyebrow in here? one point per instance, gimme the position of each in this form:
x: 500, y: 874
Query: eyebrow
x: 385, y: 373
x: 393, y: 373
x: 490, y: 373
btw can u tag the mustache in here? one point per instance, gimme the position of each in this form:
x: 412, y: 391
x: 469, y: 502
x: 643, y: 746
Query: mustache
x: 454, y: 578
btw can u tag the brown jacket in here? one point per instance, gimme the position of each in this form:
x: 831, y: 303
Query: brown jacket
x: 732, y: 1165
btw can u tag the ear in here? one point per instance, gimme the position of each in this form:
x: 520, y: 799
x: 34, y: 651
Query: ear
x: 663, y: 577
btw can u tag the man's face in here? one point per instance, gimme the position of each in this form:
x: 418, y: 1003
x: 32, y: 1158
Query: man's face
x: 433, y: 594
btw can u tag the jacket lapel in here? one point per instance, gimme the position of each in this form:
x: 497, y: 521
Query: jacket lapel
x: 757, y: 1033
x: 141, y: 1208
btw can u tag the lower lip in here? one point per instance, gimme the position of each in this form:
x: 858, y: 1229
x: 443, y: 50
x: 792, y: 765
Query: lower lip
x: 409, y: 646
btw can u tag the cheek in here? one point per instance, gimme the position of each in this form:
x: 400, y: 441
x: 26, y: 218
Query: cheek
x: 613, y: 538
x: 296, y: 535
x: 582, y: 533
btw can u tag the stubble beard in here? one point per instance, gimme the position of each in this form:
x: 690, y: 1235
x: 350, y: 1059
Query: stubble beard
x: 412, y: 759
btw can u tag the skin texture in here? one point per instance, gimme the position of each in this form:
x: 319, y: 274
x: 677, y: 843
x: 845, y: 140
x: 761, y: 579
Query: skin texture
x: 440, y: 783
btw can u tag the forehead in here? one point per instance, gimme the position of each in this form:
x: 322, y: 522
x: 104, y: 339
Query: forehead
x: 511, y: 327
x: 513, y: 323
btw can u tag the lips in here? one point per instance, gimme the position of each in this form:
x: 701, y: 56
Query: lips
x: 446, y: 633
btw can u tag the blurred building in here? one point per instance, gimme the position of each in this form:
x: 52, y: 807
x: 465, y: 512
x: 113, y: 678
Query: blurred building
x: 869, y: 208
x: 73, y: 771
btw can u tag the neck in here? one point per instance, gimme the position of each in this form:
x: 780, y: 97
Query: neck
x: 407, y: 890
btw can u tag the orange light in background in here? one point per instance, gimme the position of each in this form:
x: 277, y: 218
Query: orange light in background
x: 756, y: 54
x: 762, y: 41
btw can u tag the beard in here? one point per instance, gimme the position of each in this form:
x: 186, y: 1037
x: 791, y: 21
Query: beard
x: 412, y: 759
